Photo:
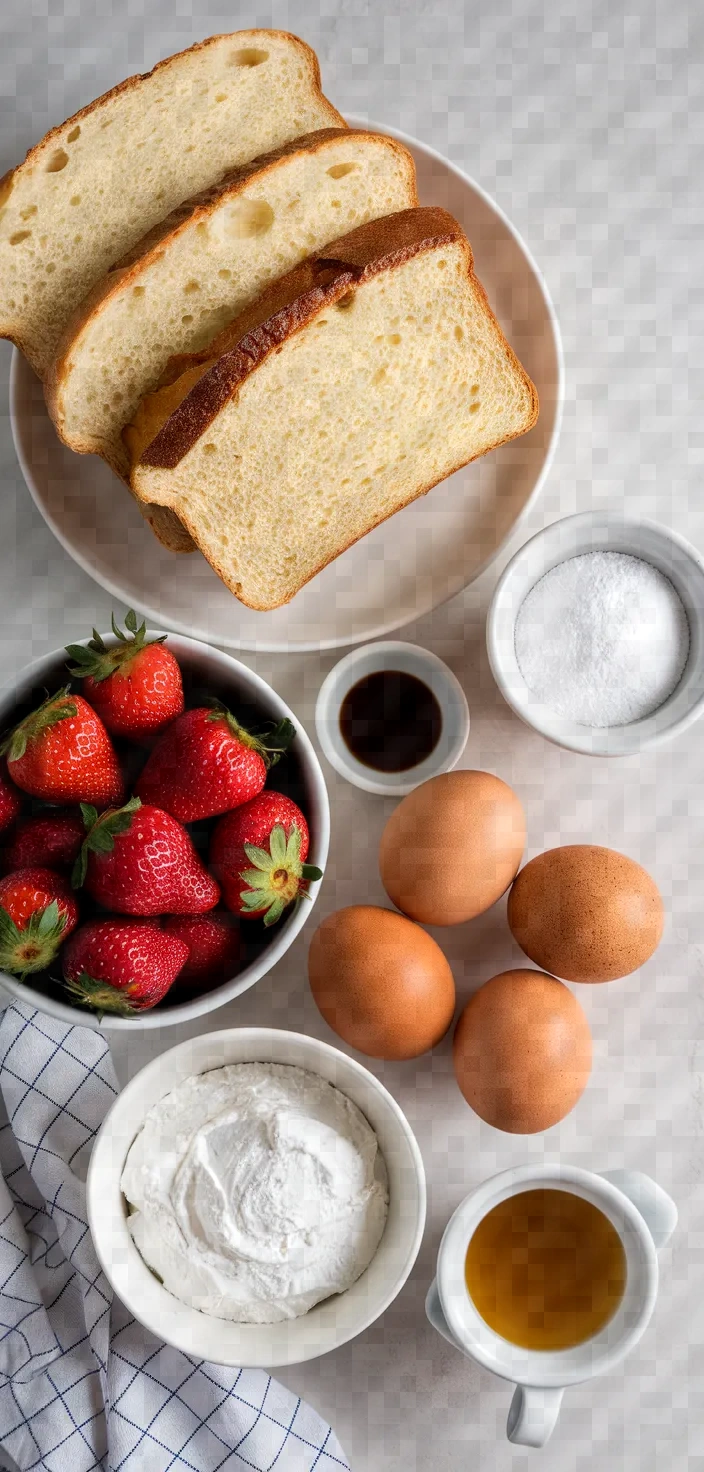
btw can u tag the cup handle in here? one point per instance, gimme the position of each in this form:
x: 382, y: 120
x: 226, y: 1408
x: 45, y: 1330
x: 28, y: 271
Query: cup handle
x: 433, y: 1309
x: 655, y: 1206
x: 533, y: 1415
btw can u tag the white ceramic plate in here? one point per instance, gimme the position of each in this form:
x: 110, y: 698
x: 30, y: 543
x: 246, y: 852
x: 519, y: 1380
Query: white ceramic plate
x: 423, y: 555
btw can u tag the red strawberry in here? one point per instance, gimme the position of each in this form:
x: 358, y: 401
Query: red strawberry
x: 10, y: 801
x: 206, y: 763
x: 213, y: 946
x: 139, y: 861
x: 52, y: 840
x: 136, y: 687
x: 37, y: 912
x: 259, y: 853
x: 121, y: 966
x: 63, y: 753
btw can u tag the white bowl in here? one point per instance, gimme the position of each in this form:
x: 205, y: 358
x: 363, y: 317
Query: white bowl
x: 329, y: 1324
x: 570, y: 537
x: 209, y: 671
x: 410, y: 659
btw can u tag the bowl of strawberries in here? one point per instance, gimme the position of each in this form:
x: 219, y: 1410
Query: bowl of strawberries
x: 164, y: 824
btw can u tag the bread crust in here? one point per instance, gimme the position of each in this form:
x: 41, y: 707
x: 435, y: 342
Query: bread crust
x: 127, y: 271
x: 168, y: 528
x: 380, y: 245
x: 35, y: 154
x: 283, y: 309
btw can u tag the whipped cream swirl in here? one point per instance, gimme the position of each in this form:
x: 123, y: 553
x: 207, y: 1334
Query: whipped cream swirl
x: 256, y: 1191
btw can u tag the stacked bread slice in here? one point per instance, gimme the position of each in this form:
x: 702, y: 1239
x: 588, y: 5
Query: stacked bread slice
x: 196, y: 270
x: 353, y: 385
x: 94, y: 186
x: 166, y: 266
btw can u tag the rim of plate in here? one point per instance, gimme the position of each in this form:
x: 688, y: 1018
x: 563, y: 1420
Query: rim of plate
x: 395, y: 622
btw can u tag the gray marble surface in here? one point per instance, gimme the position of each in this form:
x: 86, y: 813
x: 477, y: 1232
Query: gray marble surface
x: 585, y: 121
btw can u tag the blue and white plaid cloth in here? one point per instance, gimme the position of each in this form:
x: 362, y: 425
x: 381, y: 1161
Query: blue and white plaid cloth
x: 81, y: 1384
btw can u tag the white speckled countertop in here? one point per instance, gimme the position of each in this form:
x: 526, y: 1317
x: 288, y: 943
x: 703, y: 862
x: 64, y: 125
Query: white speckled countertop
x: 586, y: 123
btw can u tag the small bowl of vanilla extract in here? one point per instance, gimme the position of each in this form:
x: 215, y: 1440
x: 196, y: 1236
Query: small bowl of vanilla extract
x: 391, y: 715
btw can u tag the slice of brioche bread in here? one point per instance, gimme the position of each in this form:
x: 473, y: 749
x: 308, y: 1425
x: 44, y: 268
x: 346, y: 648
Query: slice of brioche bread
x: 353, y: 385
x: 196, y: 271
x: 96, y: 184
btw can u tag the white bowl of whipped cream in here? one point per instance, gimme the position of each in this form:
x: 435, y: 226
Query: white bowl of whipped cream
x: 256, y: 1197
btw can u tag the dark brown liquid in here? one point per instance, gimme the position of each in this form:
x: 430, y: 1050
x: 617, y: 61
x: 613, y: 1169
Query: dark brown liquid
x: 546, y: 1269
x: 390, y: 721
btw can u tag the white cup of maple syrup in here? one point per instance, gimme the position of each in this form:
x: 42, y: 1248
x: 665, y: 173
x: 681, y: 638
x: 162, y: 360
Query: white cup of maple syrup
x: 548, y: 1275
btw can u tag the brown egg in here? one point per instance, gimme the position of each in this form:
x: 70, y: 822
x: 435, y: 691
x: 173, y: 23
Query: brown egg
x: 452, y: 847
x: 381, y: 982
x: 522, y: 1052
x: 586, y: 913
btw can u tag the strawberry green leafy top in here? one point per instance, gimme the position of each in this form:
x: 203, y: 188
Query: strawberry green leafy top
x: 97, y: 661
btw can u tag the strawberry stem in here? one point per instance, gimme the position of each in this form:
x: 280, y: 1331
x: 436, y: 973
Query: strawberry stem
x: 100, y: 996
x: 96, y: 660
x: 14, y: 744
x: 277, y: 876
x: 271, y: 744
x: 34, y: 947
x: 101, y: 831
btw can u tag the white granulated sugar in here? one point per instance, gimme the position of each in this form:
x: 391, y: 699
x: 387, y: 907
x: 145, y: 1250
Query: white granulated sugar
x: 602, y: 639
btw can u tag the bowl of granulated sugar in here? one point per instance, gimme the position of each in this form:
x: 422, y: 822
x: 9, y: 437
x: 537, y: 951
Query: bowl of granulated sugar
x: 596, y: 634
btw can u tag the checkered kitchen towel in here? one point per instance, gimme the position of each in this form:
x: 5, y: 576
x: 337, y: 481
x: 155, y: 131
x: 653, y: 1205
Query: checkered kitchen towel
x: 81, y: 1384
